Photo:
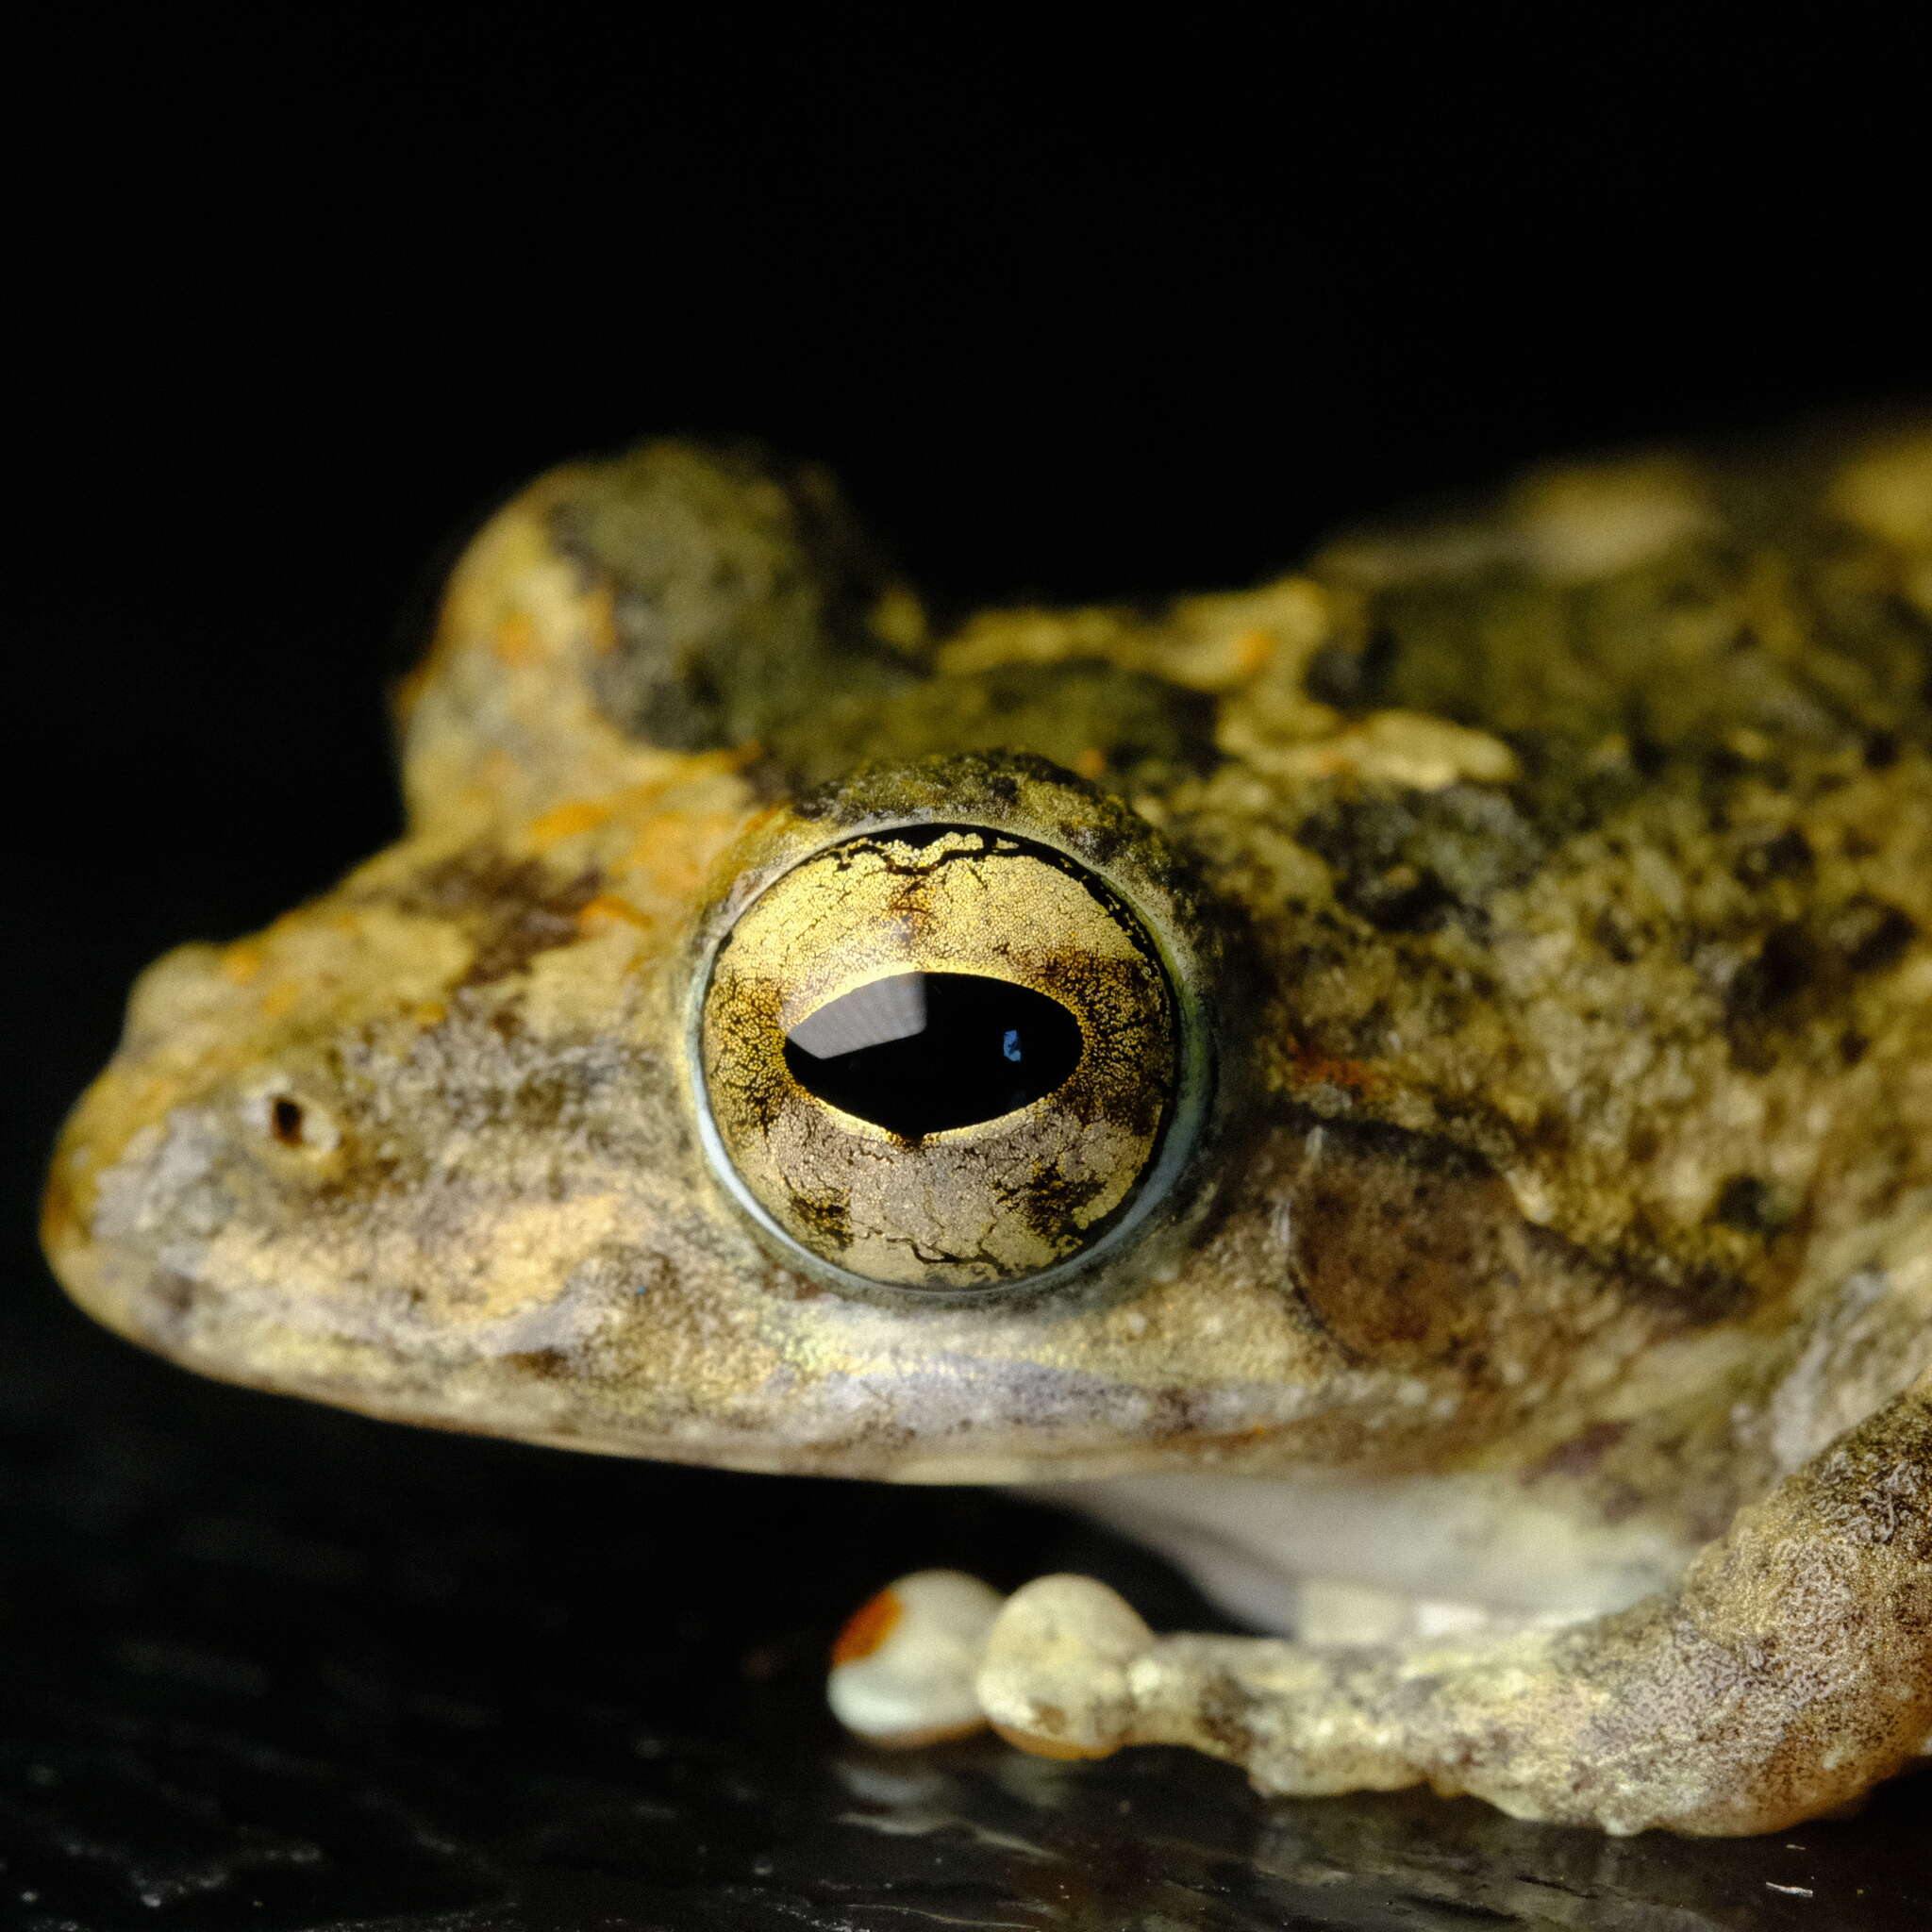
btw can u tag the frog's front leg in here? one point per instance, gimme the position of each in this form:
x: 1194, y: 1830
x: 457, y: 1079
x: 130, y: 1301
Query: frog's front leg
x: 1791, y: 1670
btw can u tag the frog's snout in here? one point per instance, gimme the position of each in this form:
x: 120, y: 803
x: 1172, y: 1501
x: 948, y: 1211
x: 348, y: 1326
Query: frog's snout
x: 145, y: 1184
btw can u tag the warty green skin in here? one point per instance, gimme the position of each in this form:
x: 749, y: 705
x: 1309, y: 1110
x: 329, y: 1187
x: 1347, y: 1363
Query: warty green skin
x: 1557, y: 885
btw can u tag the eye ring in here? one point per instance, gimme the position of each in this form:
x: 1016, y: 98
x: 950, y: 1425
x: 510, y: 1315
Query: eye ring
x: 1129, y: 907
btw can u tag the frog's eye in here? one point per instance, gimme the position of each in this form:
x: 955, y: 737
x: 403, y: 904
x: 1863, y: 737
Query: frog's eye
x: 938, y: 1057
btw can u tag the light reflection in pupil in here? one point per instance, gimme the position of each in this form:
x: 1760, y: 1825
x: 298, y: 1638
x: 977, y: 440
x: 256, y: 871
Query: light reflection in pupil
x: 922, y: 1052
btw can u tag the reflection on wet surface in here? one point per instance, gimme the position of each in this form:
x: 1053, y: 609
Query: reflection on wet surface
x: 269, y: 1667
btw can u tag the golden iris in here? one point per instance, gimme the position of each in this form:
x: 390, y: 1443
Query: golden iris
x: 938, y: 1057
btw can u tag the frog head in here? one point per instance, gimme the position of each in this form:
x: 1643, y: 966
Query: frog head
x: 788, y: 1038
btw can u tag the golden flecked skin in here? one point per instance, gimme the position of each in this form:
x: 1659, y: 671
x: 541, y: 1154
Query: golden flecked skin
x: 1555, y: 887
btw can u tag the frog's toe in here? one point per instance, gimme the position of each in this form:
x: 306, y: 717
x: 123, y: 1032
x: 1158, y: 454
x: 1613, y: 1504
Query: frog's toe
x: 903, y: 1667
x: 1057, y: 1676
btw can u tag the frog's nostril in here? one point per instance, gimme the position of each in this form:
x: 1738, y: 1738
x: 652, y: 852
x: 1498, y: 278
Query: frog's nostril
x: 287, y: 1119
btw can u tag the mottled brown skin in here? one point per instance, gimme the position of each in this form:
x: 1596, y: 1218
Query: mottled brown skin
x: 1559, y: 885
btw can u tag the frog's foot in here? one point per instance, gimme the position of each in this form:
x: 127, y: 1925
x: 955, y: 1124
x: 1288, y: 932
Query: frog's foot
x: 1791, y: 1671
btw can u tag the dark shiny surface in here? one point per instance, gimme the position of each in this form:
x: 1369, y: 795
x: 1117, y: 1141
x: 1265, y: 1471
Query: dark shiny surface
x: 985, y: 1048
x: 268, y: 1666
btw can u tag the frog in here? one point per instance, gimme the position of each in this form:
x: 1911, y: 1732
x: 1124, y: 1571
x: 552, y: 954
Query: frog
x: 1407, y: 1087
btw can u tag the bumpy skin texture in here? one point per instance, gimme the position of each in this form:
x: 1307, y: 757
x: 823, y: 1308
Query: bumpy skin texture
x: 1558, y: 882
x: 1791, y: 1668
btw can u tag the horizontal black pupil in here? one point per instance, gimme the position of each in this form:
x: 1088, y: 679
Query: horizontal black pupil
x: 985, y: 1048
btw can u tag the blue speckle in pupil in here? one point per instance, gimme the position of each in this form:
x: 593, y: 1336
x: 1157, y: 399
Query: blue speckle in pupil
x: 922, y: 1052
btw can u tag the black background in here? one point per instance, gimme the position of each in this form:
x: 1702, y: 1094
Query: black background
x: 1077, y: 309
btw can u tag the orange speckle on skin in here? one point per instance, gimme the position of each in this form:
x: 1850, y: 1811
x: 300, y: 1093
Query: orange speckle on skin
x: 1091, y: 762
x: 1321, y: 1069
x: 677, y: 849
x: 638, y: 801
x: 765, y: 816
x: 1251, y: 650
x: 566, y: 821
x: 241, y: 961
x: 867, y: 1628
x: 515, y: 642
x: 430, y: 1013
x: 605, y: 909
x: 279, y: 998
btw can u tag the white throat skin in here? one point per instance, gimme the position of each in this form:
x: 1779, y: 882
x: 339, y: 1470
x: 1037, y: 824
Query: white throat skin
x: 1339, y: 1559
